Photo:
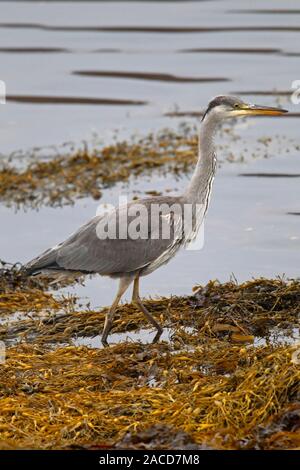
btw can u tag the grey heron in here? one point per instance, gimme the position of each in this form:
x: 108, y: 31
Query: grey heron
x: 130, y: 257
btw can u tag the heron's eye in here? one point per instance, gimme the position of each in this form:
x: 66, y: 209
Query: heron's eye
x: 236, y: 105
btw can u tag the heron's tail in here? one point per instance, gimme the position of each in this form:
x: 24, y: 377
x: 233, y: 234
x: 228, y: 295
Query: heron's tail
x: 27, y: 271
x: 46, y: 261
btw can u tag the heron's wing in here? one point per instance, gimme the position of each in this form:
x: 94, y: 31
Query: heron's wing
x: 89, y: 251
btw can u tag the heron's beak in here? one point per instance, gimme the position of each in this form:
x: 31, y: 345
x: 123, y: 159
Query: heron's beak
x: 257, y: 110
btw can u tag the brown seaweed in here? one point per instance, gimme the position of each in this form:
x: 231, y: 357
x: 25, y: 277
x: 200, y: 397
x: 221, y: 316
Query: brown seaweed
x: 209, y: 386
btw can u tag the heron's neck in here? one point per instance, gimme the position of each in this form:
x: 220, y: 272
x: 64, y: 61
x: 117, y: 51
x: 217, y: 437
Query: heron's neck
x: 199, y: 187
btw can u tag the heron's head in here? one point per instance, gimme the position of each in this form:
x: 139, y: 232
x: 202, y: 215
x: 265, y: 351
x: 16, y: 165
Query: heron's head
x: 223, y: 107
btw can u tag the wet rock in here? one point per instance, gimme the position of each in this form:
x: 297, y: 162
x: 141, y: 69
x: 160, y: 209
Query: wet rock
x: 159, y: 436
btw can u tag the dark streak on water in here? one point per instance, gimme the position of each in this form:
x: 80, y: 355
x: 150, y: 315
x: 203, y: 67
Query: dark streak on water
x: 161, y: 77
x: 32, y: 50
x: 35, y: 99
x: 109, y: 51
x: 271, y: 175
x: 265, y: 93
x: 291, y: 54
x: 293, y: 213
x: 151, y: 29
x: 209, y: 50
x: 276, y: 11
x: 45, y: 50
x: 233, y: 50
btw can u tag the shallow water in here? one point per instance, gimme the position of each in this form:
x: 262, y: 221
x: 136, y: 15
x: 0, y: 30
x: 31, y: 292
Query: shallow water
x: 276, y: 337
x: 42, y: 44
x: 135, y: 63
x: 143, y: 335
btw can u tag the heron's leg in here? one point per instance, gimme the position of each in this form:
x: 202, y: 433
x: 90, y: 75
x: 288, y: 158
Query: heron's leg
x: 109, y: 318
x: 137, y: 300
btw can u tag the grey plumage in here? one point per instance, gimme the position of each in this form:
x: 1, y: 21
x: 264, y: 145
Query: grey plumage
x: 84, y: 252
x: 127, y: 257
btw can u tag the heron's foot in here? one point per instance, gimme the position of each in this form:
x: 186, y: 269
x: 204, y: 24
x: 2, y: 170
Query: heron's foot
x: 105, y: 333
x: 158, y: 335
x: 106, y: 330
x: 136, y: 300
